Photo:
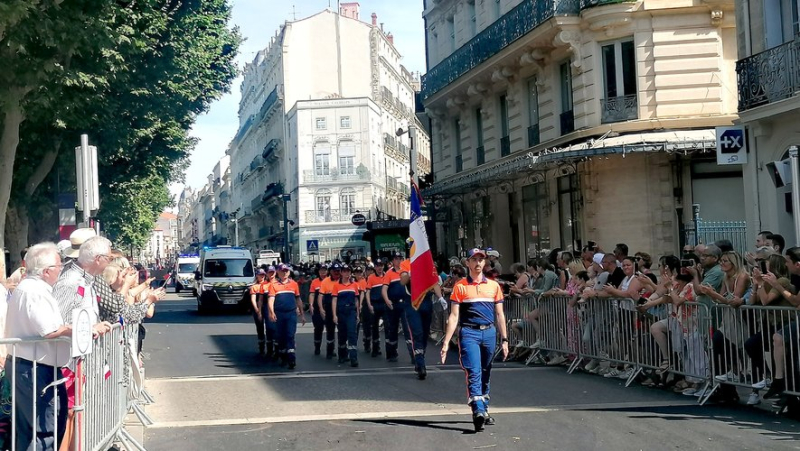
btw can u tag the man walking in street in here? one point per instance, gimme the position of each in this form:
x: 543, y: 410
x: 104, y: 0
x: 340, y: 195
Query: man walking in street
x: 378, y: 308
x: 284, y: 307
x: 259, y: 317
x: 478, y: 310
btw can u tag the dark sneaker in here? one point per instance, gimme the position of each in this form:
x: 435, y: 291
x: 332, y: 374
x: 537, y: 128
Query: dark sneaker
x: 375, y: 352
x: 317, y: 350
x: 778, y: 386
x: 489, y: 420
x: 354, y: 363
x: 422, y: 373
x: 292, y: 365
x: 478, y: 420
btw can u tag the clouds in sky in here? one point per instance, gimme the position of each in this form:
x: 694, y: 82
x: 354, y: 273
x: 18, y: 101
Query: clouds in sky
x: 258, y: 21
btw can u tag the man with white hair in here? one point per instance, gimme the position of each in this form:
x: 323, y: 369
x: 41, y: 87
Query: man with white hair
x: 494, y: 260
x: 75, y: 287
x: 34, y: 313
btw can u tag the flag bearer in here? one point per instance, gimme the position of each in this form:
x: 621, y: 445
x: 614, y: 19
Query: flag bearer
x: 284, y: 308
x: 478, y: 309
x: 325, y: 307
x: 375, y: 283
x: 346, y: 309
x: 315, y: 310
x: 412, y: 327
x: 393, y: 292
x: 366, y: 308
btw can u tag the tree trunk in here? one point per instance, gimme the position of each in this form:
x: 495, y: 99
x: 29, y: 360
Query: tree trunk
x: 12, y: 117
x: 17, y: 225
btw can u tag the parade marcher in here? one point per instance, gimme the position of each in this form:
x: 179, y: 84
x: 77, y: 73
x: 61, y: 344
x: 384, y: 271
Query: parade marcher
x: 366, y: 308
x: 478, y: 309
x: 256, y: 294
x: 346, y: 308
x: 270, y: 328
x: 412, y: 327
x: 325, y: 307
x: 284, y: 307
x: 378, y: 308
x: 316, y: 312
x: 393, y: 292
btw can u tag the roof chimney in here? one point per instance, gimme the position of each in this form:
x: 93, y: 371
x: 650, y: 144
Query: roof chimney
x: 374, y: 19
x: 390, y: 38
x: 349, y: 10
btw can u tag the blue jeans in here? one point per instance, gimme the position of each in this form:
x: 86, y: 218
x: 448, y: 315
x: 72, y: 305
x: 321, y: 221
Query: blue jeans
x: 476, y: 348
x: 286, y: 328
x: 48, y: 408
x: 348, y: 331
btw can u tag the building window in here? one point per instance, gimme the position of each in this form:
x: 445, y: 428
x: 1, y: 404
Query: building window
x: 322, y: 123
x: 567, y: 115
x: 347, y: 201
x: 323, y: 202
x: 480, y: 150
x: 619, y: 80
x: 533, y: 113
x: 347, y: 157
x: 451, y: 27
x: 344, y: 122
x: 536, y: 208
x: 459, y: 162
x: 322, y: 162
x: 497, y: 9
x: 568, y: 212
x: 471, y: 17
x: 505, y: 141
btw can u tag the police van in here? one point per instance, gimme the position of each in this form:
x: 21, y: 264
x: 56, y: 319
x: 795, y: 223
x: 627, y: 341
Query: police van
x: 224, y: 278
x: 185, y: 269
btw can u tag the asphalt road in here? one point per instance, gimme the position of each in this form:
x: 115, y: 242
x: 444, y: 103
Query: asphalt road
x: 212, y: 392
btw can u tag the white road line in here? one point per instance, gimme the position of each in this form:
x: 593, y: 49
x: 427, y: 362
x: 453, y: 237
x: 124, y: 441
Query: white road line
x: 407, y: 414
x: 400, y: 370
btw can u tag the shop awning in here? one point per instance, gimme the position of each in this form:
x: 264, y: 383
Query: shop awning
x: 679, y: 141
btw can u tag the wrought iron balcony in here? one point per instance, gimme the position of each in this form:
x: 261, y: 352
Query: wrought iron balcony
x: 516, y: 23
x: 769, y: 76
x: 567, y: 122
x: 480, y: 155
x: 333, y: 215
x: 533, y: 135
x: 619, y: 109
x: 592, y: 3
x: 310, y: 176
x: 270, y: 150
x: 505, y: 146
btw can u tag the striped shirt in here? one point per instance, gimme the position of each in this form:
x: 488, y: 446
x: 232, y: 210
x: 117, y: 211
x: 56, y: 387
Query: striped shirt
x: 74, y: 289
x: 476, y: 300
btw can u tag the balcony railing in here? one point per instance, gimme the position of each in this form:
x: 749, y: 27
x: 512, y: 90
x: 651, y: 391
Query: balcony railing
x: 505, y: 146
x: 333, y: 215
x: 310, y: 176
x: 270, y: 150
x: 769, y: 76
x: 619, y: 109
x: 393, y: 185
x: 516, y: 23
x: 533, y: 135
x: 592, y: 3
x: 567, y: 122
x: 480, y: 155
x: 389, y: 140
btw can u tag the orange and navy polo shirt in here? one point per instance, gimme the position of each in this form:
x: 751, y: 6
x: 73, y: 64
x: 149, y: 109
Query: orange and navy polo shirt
x: 346, y: 293
x: 260, y: 288
x: 285, y: 294
x: 396, y: 289
x: 316, y: 284
x: 476, y: 300
x: 326, y: 289
x: 375, y: 285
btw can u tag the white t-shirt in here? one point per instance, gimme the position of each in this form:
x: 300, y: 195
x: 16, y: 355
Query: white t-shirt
x: 33, y: 313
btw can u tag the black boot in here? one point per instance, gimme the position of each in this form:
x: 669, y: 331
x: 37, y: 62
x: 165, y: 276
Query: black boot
x: 376, y: 349
x: 260, y: 348
x: 478, y: 420
x: 367, y: 346
x: 422, y: 373
x: 270, y: 355
x: 316, y: 349
x: 354, y: 363
x: 329, y: 351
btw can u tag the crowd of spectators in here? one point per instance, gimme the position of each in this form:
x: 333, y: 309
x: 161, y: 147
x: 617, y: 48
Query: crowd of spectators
x: 38, y: 302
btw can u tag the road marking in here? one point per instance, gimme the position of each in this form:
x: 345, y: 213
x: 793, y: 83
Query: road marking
x: 401, y: 370
x: 408, y: 414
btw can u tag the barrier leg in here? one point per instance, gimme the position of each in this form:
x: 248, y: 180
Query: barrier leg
x: 633, y: 376
x: 143, y: 417
x: 129, y: 442
x: 708, y: 392
x: 575, y: 364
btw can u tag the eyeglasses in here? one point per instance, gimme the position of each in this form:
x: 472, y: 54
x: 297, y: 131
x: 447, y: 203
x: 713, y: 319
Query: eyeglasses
x: 59, y: 266
x: 107, y: 257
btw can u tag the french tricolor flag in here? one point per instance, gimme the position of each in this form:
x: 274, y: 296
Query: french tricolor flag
x: 423, y: 273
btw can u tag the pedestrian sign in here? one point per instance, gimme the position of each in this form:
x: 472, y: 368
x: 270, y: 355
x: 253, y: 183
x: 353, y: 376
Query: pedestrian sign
x: 312, y: 247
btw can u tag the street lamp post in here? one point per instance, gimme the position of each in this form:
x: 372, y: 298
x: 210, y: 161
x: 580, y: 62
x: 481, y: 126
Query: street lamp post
x: 235, y: 227
x: 286, y: 198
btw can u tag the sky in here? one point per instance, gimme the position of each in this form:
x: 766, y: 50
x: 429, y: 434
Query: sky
x: 258, y: 21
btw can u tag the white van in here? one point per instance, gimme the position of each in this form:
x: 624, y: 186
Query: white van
x: 184, y: 273
x: 224, y: 279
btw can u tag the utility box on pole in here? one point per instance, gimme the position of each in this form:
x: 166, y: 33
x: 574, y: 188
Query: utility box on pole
x: 86, y: 172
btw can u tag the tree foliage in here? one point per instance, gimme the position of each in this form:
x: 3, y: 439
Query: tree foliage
x: 134, y: 78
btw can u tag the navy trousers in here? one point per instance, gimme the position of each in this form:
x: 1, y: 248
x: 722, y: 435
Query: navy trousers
x: 476, y: 348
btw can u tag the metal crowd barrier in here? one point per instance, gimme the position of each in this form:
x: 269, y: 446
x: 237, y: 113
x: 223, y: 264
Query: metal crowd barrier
x: 743, y: 346
x: 108, y: 385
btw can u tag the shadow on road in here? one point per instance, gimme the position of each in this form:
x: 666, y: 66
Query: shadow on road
x: 427, y: 424
x: 188, y: 315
